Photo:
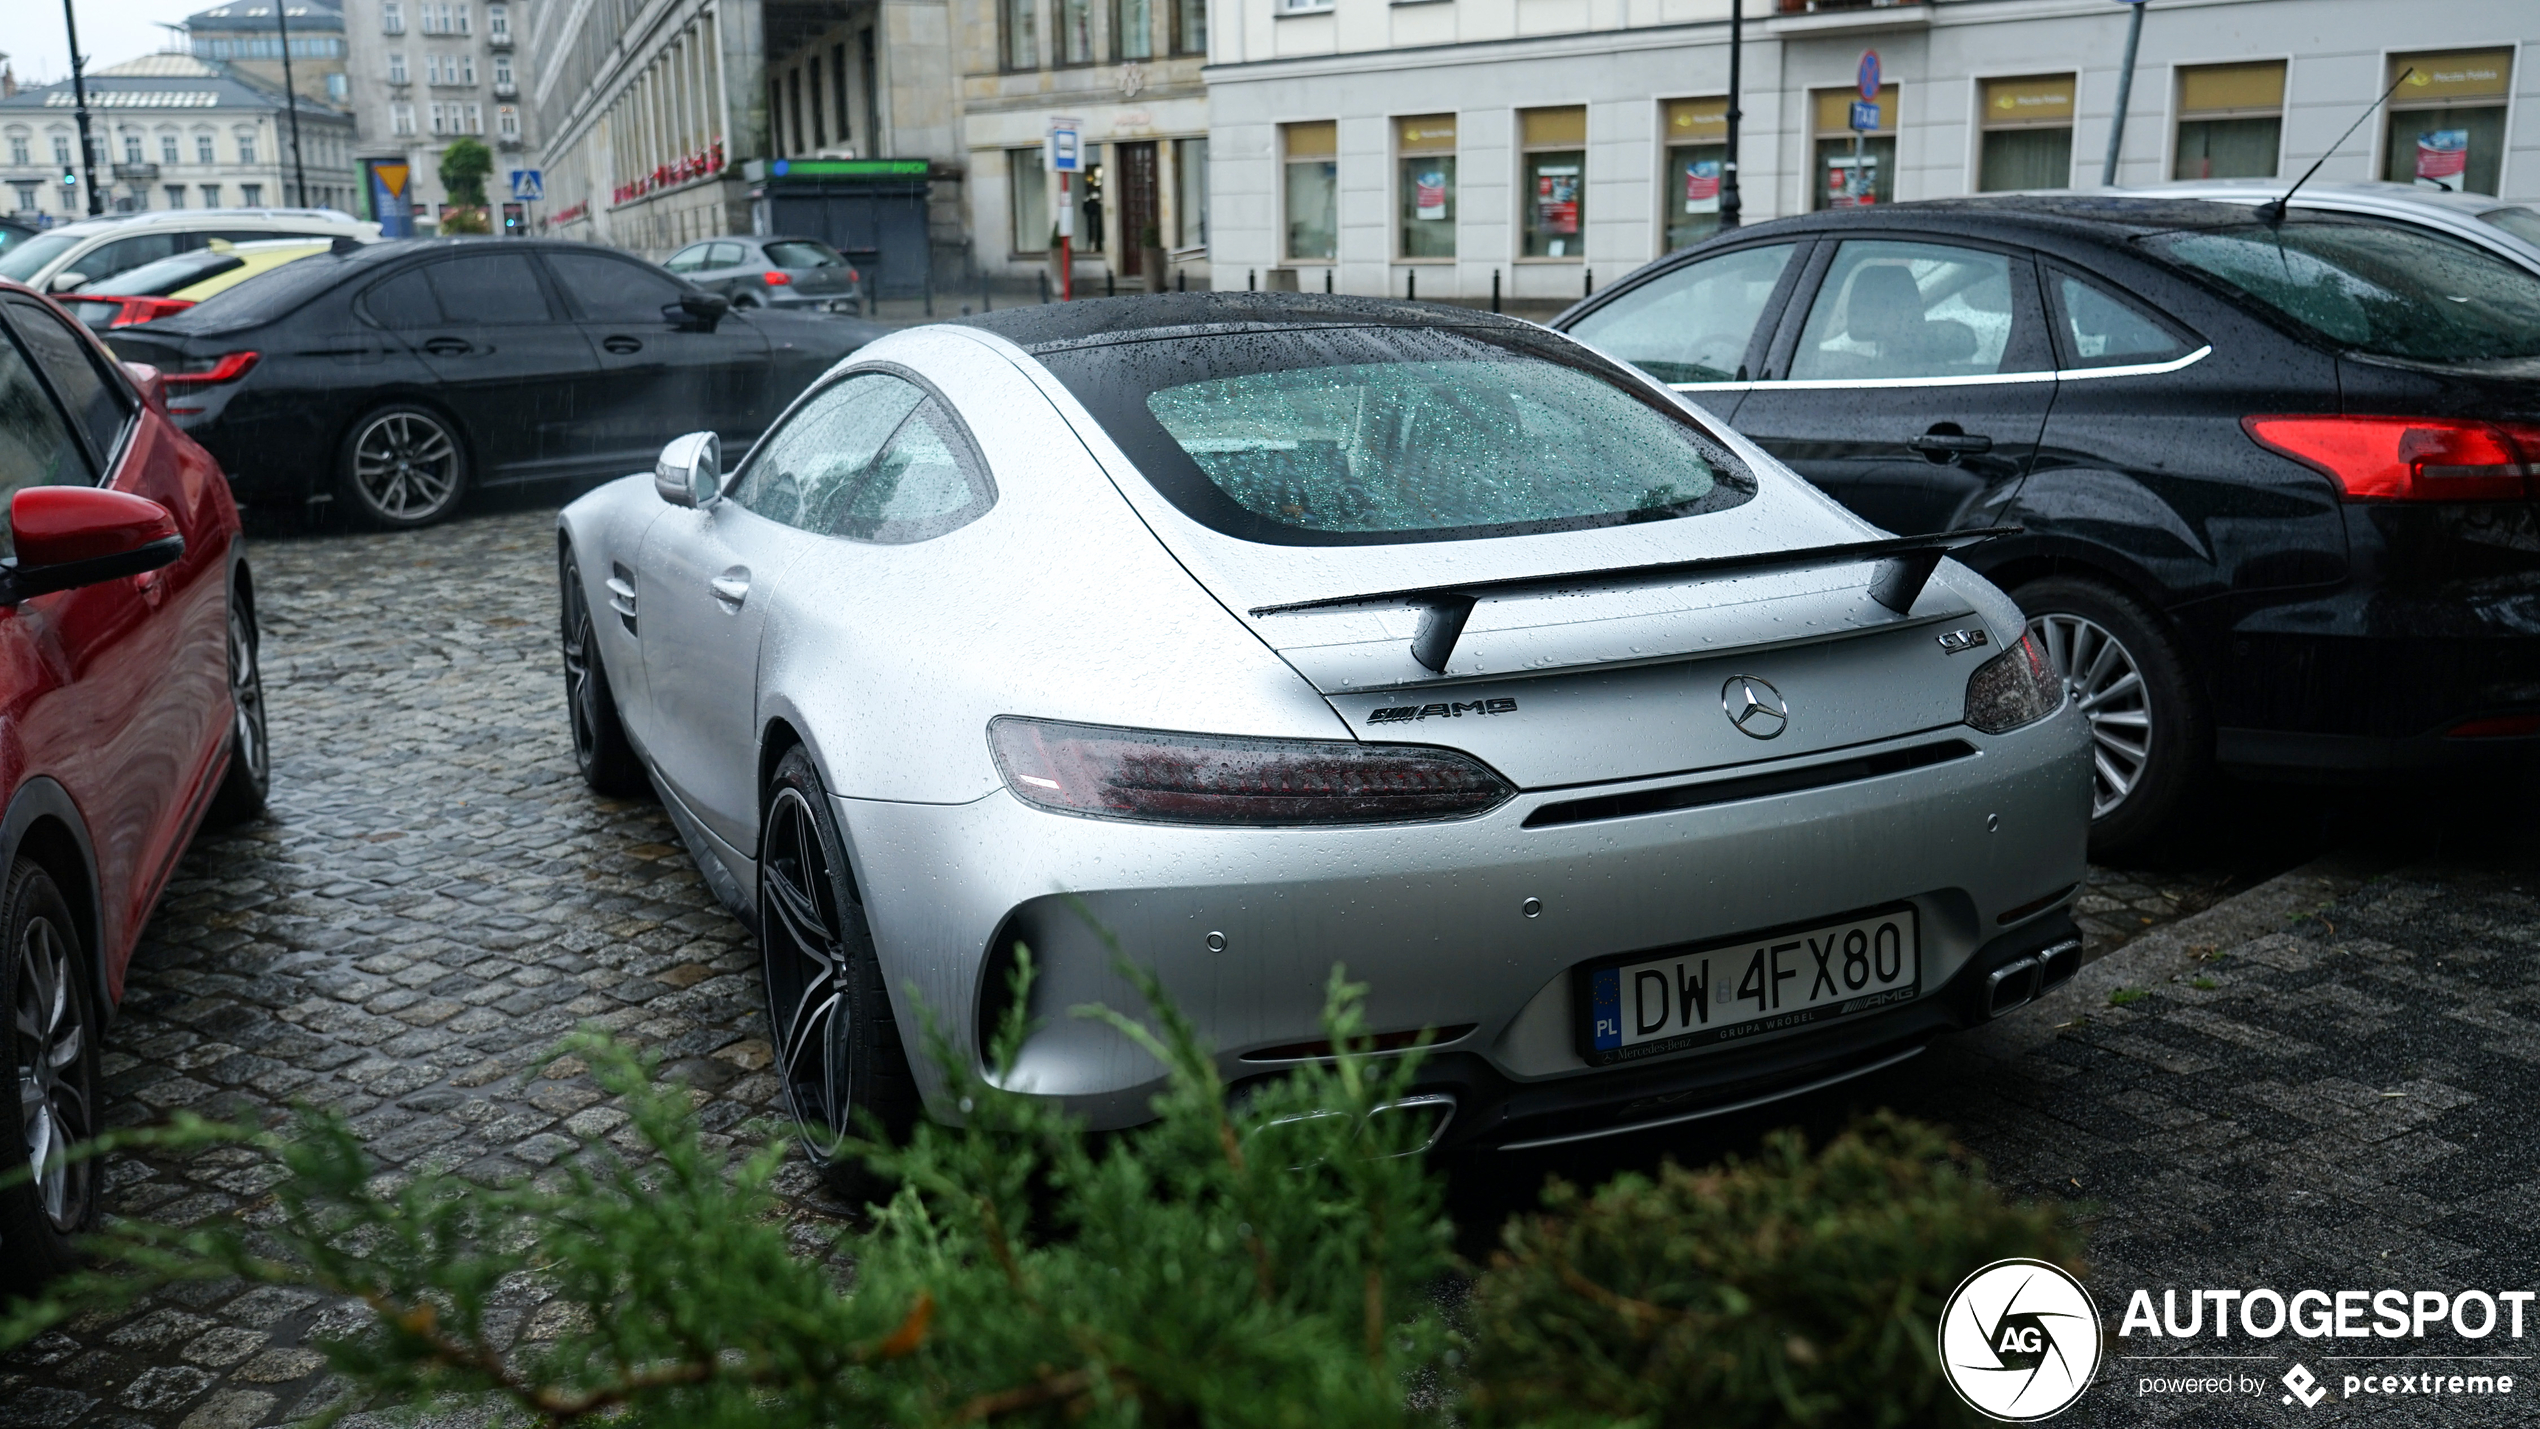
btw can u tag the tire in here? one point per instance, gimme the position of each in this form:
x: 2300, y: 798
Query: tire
x: 402, y: 466
x: 51, y: 1032
x: 2151, y: 741
x: 241, y: 795
x: 601, y: 749
x: 745, y: 299
x: 838, y: 1047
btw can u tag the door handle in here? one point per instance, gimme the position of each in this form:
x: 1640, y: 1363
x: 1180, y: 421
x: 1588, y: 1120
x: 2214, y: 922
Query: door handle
x: 449, y: 347
x: 732, y: 587
x: 1948, y: 444
x: 620, y: 343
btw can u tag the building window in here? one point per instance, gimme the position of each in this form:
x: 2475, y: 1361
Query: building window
x: 392, y: 17
x: 467, y: 69
x: 463, y: 21
x: 440, y: 122
x: 211, y: 195
x: 167, y: 149
x: 1190, y: 193
x: 26, y: 196
x: 18, y: 153
x: 401, y: 119
x: 1424, y: 152
x: 432, y: 69
x: 338, y: 88
x: 2028, y: 134
x: 2447, y: 120
x: 476, y: 119
x: 1022, y: 43
x: 246, y: 148
x: 502, y: 69
x: 507, y: 122
x: 498, y: 24
x: 2230, y: 121
x: 132, y: 148
x: 397, y: 67
x: 176, y: 195
x: 1075, y: 32
x: 1554, y: 155
x: 203, y: 152
x: 1854, y: 166
x: 1133, y: 29
x: 1190, y: 27
x: 61, y: 150
x: 251, y: 195
x: 1697, y: 145
x: 1028, y: 189
x: 1311, y: 155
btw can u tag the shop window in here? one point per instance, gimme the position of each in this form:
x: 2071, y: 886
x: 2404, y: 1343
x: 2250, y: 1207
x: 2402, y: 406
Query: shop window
x: 2028, y: 134
x: 1022, y: 40
x: 1697, y: 147
x: 1028, y: 189
x: 1425, y: 147
x: 1854, y: 166
x: 1553, y: 150
x: 1133, y: 29
x: 1190, y: 193
x: 1311, y: 154
x: 2230, y: 121
x: 2447, y: 120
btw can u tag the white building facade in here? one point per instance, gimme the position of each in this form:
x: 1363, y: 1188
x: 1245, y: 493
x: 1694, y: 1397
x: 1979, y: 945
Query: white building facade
x: 423, y: 74
x: 1437, y: 146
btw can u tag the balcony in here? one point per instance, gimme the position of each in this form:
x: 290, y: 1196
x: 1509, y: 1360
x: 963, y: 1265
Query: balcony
x: 508, y: 143
x: 499, y: 39
x: 137, y: 173
x: 505, y: 89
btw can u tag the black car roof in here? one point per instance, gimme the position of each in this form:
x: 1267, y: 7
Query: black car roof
x: 1047, y: 326
x: 2096, y: 216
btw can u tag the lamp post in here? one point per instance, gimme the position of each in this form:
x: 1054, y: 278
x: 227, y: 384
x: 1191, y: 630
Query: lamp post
x: 1730, y: 203
x: 79, y: 101
x: 291, y: 101
x: 2125, y: 92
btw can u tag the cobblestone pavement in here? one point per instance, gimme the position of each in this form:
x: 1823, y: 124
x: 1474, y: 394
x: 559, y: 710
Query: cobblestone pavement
x: 436, y: 899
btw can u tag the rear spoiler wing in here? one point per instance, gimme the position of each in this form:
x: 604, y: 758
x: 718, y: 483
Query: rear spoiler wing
x: 1905, y: 566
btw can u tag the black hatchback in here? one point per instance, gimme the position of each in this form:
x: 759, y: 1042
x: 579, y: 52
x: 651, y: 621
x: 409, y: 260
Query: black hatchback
x: 396, y: 376
x: 2275, y: 481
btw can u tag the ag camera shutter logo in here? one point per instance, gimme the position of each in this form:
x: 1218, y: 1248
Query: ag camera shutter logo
x: 2019, y: 1340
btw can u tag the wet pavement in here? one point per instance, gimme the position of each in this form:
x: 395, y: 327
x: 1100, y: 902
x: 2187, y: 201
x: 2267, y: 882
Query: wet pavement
x: 436, y: 899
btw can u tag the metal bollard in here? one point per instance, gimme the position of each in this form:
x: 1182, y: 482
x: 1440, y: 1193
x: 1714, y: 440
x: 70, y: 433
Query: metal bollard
x: 1411, y: 285
x: 1494, y: 290
x: 1252, y: 280
x: 1327, y: 280
x: 1591, y: 284
x: 1045, y: 285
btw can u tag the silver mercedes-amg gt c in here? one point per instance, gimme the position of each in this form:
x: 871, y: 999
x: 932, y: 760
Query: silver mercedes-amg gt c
x: 1271, y: 632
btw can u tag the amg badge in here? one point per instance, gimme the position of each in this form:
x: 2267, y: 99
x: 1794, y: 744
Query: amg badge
x: 1446, y: 710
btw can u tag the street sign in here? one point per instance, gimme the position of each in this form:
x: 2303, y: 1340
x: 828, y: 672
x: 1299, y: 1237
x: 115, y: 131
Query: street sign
x: 1067, y: 150
x: 529, y: 185
x: 1865, y: 115
x: 1870, y: 75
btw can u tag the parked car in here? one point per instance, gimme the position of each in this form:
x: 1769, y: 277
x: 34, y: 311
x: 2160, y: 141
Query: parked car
x: 173, y: 284
x: 1415, y: 639
x: 396, y: 376
x: 93, y: 250
x: 772, y: 273
x: 2272, y: 478
x: 2511, y: 229
x: 130, y: 712
x: 14, y: 232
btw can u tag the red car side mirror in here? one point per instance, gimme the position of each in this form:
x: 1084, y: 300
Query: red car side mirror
x: 152, y: 386
x: 71, y: 536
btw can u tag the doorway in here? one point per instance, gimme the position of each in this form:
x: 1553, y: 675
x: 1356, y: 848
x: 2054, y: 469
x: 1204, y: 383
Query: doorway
x: 1140, y: 227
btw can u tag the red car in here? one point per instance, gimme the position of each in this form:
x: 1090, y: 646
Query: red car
x: 131, y: 712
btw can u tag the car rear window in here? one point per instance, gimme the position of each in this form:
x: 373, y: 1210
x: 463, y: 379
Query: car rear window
x: 157, y: 280
x: 2383, y: 289
x: 1383, y: 435
x: 803, y: 253
x: 266, y: 296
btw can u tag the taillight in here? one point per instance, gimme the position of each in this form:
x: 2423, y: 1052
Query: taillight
x: 2409, y: 458
x: 776, y: 279
x: 2522, y: 726
x: 211, y: 371
x: 2017, y: 687
x: 143, y: 310
x: 1158, y: 777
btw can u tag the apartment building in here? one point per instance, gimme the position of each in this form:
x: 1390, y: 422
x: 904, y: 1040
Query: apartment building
x: 1128, y: 72
x: 172, y: 131
x: 425, y: 73
x: 1386, y: 146
x: 249, y: 37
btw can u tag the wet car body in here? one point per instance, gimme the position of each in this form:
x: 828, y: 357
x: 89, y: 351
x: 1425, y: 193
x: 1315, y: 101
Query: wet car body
x: 1084, y: 603
x: 2326, y: 633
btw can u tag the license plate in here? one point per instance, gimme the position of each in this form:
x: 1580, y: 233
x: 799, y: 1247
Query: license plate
x: 1667, y: 1002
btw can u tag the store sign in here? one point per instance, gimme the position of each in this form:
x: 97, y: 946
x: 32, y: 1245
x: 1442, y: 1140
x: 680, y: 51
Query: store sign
x: 1702, y: 186
x: 2442, y: 157
x: 1557, y: 198
x: 1428, y: 196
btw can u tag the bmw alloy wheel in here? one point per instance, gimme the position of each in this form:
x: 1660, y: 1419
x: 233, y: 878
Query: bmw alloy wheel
x: 54, y: 1110
x: 406, y: 466
x: 2101, y: 676
x: 807, y: 963
x: 247, y: 698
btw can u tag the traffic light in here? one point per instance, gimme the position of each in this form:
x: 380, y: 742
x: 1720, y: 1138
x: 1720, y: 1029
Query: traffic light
x: 513, y: 220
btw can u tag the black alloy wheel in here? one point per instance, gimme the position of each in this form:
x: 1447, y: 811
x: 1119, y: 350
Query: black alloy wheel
x: 52, y: 1043
x: 250, y: 777
x: 2149, y: 744
x: 404, y: 466
x: 601, y: 749
x: 838, y: 1047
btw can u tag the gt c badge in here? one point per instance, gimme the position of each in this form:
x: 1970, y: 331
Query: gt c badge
x: 1754, y: 706
x: 1957, y: 641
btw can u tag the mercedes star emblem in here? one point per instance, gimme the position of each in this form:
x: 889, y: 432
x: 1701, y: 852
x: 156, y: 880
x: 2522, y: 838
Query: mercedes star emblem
x: 1754, y: 706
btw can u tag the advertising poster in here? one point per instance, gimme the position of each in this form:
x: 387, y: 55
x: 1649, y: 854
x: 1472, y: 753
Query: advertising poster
x: 1429, y: 194
x: 1557, y: 199
x: 2442, y: 157
x: 1851, y: 183
x: 1702, y: 186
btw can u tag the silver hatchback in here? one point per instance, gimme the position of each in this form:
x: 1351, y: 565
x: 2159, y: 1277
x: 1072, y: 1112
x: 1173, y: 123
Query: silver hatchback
x: 757, y: 272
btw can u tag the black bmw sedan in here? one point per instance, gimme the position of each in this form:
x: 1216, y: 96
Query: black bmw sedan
x: 395, y: 377
x: 2278, y: 483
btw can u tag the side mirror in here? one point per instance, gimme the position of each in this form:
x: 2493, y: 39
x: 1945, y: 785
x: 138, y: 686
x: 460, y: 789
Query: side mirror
x: 70, y: 536
x: 69, y: 282
x: 696, y: 312
x: 690, y: 471
x: 152, y: 386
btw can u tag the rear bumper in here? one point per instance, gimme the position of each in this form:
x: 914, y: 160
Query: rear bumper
x: 1244, y: 926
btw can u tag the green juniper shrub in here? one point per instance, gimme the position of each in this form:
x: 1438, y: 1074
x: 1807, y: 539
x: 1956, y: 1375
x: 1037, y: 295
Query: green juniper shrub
x: 1263, y: 1263
x: 1782, y: 1290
